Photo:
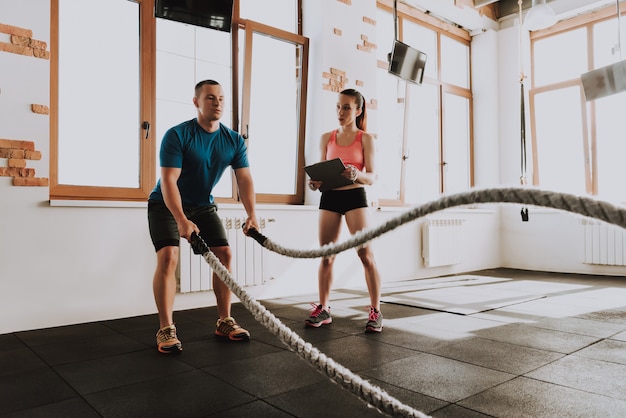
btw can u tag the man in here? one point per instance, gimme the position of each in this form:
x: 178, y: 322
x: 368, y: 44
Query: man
x: 193, y: 156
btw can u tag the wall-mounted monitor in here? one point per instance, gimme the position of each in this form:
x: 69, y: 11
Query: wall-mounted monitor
x: 407, y: 63
x: 213, y: 14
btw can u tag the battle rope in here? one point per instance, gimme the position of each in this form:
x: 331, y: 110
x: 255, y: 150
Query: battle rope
x: 568, y: 202
x: 340, y: 374
x: 373, y: 395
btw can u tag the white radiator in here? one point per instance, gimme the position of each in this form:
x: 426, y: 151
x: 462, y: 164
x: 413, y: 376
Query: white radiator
x: 249, y: 266
x: 442, y: 242
x: 604, y: 244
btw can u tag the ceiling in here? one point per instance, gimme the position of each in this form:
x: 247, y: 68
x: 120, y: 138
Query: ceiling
x: 461, y: 12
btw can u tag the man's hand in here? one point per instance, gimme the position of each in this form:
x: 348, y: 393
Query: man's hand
x: 251, y: 222
x: 186, y: 228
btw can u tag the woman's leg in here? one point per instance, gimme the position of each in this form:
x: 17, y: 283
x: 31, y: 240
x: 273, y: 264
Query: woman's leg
x: 329, y: 230
x: 357, y: 220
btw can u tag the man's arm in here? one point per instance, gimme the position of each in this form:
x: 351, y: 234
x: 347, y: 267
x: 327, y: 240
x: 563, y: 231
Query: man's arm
x: 173, y: 201
x: 246, y: 193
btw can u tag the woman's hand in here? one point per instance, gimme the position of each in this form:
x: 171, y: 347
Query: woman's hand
x: 315, y: 184
x: 351, y: 173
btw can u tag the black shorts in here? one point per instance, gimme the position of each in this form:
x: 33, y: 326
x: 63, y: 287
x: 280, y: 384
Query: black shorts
x: 342, y: 201
x: 164, y: 231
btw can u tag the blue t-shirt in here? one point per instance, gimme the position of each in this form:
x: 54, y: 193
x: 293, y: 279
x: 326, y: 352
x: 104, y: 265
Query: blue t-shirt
x: 203, y: 158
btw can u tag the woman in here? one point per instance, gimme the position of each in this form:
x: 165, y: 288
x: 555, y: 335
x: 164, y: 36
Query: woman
x: 356, y: 149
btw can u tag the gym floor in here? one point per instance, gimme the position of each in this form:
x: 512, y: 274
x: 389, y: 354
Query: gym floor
x: 496, y: 343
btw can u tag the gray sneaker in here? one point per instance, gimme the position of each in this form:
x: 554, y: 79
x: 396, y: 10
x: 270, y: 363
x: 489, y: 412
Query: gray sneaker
x: 374, y: 321
x: 319, y: 316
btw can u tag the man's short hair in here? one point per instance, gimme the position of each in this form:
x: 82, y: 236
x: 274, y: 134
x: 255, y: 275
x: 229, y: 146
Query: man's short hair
x: 203, y: 83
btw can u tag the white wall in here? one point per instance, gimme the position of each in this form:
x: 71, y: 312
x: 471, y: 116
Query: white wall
x: 551, y: 240
x: 64, y: 265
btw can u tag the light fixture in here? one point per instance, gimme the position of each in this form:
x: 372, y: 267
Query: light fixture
x: 540, y: 16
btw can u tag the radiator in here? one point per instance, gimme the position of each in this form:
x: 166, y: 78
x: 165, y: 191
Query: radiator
x: 604, y: 244
x: 249, y: 265
x: 441, y: 242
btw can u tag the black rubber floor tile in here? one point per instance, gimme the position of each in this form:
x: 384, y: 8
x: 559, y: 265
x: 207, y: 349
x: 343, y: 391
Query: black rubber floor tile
x: 74, y: 407
x: 57, y: 335
x: 82, y: 349
x: 256, y: 409
x: 438, y: 377
x: 17, y: 360
x: 523, y: 397
x: 191, y: 394
x: 31, y: 389
x: 218, y: 351
x: 357, y: 353
x: 124, y: 369
x: 305, y: 402
x: 268, y: 375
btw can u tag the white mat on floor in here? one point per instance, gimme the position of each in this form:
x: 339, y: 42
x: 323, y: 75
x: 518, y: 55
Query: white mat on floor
x: 463, y: 294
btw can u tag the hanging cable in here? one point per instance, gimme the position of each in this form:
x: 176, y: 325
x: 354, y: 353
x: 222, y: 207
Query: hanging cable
x: 524, y: 211
x: 619, y: 31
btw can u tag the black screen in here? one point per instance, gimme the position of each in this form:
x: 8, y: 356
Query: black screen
x: 407, y: 63
x: 214, y: 14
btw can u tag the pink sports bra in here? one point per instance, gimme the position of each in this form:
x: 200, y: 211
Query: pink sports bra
x: 350, y: 154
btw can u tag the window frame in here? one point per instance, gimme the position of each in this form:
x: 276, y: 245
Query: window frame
x: 441, y: 28
x: 147, y: 113
x: 588, y: 109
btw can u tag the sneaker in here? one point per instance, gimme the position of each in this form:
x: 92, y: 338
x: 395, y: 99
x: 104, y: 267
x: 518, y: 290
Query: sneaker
x: 228, y: 327
x: 319, y: 316
x: 167, y: 342
x: 374, y: 321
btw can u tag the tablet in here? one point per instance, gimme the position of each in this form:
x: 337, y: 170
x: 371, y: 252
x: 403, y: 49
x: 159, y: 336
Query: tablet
x: 329, y: 173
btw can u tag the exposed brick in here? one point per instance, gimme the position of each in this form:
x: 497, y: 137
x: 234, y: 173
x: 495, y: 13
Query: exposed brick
x: 12, y: 153
x: 37, y: 44
x: 363, y: 48
x: 359, y: 83
x: 30, y: 155
x: 20, y: 40
x: 40, y: 53
x: 348, y: 2
x: 330, y: 88
x: 337, y: 72
x: 370, y: 44
x: 369, y: 20
x: 337, y: 32
x: 16, y: 49
x: 16, y: 172
x: 30, y: 181
x: 41, y: 109
x: 14, y: 30
x: 16, y: 162
x: 16, y: 144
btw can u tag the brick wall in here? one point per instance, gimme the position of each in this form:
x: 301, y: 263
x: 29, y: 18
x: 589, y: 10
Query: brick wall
x: 18, y: 152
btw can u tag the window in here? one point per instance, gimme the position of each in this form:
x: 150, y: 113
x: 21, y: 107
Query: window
x: 98, y: 141
x: 578, y: 146
x: 434, y: 118
x: 275, y: 133
x: 115, y: 93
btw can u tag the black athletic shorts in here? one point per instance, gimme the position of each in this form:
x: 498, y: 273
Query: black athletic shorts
x: 342, y: 201
x: 164, y: 231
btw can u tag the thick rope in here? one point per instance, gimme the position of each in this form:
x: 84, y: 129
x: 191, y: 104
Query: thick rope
x: 373, y: 395
x: 340, y: 374
x: 568, y: 202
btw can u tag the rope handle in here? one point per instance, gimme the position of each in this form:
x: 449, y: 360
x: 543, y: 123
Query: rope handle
x: 200, y: 247
x: 197, y: 244
x: 258, y: 237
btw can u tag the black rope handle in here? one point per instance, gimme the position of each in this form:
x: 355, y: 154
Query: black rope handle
x: 197, y: 244
x: 258, y: 237
x: 200, y: 247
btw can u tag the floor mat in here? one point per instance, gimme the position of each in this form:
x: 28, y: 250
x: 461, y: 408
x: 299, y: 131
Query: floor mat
x: 463, y: 294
